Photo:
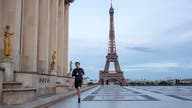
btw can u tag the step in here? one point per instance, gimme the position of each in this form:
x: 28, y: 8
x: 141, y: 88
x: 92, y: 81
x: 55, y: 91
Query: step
x: 12, y: 85
x: 62, y: 88
x: 18, y: 95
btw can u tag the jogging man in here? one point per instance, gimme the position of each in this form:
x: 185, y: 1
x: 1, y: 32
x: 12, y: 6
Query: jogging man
x: 78, y: 74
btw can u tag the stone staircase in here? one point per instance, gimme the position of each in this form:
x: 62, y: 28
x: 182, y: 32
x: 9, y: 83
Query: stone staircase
x: 13, y: 93
x: 11, y: 85
x: 21, y: 90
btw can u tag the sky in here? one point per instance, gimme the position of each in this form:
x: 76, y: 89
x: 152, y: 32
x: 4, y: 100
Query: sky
x: 153, y: 37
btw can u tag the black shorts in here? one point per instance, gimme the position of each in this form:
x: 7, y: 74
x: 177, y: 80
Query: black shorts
x: 78, y: 83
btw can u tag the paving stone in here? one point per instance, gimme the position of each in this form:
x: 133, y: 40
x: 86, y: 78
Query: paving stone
x: 133, y: 97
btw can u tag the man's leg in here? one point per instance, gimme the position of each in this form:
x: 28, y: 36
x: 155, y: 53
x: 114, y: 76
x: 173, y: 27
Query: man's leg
x: 79, y: 94
x: 79, y: 91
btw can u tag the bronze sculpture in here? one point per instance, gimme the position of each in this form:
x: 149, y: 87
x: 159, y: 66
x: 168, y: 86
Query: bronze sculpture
x: 71, y: 67
x: 53, y: 61
x: 7, y: 41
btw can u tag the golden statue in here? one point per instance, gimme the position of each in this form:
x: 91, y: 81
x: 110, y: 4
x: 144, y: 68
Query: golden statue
x: 53, y: 62
x: 7, y: 41
x: 71, y: 67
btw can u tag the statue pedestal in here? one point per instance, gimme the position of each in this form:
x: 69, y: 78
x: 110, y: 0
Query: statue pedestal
x: 53, y: 72
x: 7, y: 64
x: 71, y: 81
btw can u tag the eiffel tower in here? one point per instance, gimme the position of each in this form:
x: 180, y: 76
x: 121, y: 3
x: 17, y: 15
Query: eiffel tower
x: 112, y: 57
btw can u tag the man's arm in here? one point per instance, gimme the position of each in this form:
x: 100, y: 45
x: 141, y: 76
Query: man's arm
x: 83, y: 72
x: 73, y: 73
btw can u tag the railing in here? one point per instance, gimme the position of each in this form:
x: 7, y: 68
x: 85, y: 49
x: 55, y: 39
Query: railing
x: 47, y: 83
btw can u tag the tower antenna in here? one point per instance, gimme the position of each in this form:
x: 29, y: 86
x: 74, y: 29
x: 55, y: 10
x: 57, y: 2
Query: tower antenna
x: 111, y: 3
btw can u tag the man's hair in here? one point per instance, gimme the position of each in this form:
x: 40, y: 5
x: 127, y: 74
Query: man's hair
x: 77, y: 63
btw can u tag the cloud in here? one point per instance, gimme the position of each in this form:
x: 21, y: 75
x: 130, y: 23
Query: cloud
x: 155, y: 65
x: 177, y: 34
x: 141, y: 49
x: 179, y: 29
x: 158, y: 66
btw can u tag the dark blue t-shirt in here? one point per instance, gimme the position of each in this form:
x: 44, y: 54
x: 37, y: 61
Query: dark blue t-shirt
x: 78, y: 74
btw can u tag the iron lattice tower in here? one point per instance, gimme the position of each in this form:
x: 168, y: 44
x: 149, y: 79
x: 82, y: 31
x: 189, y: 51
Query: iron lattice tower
x: 112, y: 56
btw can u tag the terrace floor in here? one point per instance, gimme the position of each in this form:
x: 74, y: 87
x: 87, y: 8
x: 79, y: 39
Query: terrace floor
x: 132, y: 97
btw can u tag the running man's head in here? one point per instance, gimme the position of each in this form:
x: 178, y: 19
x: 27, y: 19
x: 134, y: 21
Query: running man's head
x: 77, y: 64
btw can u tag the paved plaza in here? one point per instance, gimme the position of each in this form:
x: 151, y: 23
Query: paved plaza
x: 132, y: 97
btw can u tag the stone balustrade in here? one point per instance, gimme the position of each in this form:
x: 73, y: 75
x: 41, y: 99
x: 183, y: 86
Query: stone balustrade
x: 47, y: 84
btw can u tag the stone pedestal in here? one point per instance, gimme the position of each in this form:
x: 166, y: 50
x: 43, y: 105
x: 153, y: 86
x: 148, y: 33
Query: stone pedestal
x: 71, y: 81
x: 7, y: 64
x: 53, y: 72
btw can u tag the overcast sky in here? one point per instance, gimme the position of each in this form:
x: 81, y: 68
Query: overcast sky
x: 153, y: 37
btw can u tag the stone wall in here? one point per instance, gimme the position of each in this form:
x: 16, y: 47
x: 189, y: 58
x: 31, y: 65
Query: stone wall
x: 63, y: 80
x: 18, y: 96
x: 28, y: 79
x: 62, y: 84
x: 1, y: 83
x: 44, y: 83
